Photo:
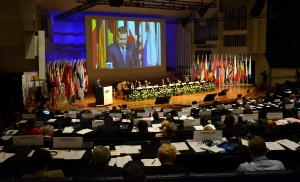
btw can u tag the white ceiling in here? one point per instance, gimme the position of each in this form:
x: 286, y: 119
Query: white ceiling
x: 60, y: 6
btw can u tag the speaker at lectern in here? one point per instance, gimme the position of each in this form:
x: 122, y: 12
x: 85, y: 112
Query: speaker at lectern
x: 104, y: 96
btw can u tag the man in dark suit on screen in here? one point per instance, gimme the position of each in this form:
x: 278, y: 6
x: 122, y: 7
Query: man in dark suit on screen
x: 122, y: 54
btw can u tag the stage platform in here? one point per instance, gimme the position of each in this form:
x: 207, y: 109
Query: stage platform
x: 246, y: 90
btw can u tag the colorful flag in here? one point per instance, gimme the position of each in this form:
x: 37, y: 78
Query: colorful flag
x: 249, y: 73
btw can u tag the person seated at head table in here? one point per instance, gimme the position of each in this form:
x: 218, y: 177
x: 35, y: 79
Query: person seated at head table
x: 156, y: 119
x: 166, y: 155
x: 40, y: 160
x: 131, y: 86
x: 139, y: 84
x: 108, y: 130
x: 100, y: 167
x: 229, y: 129
x: 134, y: 171
x: 162, y: 82
x: 30, y: 129
x: 168, y: 82
x: 258, y: 151
x: 146, y: 84
x: 186, y: 80
x: 135, y: 83
x: 149, y: 83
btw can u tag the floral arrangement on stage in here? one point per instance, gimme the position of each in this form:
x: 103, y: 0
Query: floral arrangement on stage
x: 167, y: 91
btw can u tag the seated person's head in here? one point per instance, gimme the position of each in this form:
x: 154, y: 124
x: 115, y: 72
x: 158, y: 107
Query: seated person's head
x: 30, y: 123
x: 257, y: 147
x: 208, y: 128
x: 142, y: 126
x: 134, y: 171
x: 108, y: 120
x: 163, y: 126
x: 292, y: 96
x: 166, y: 154
x: 247, y: 106
x: 67, y: 121
x: 114, y: 108
x: 170, y: 129
x: 229, y: 120
x: 40, y: 159
x: 48, y: 130
x: 101, y: 155
x: 270, y: 125
x: 155, y: 115
x: 260, y: 101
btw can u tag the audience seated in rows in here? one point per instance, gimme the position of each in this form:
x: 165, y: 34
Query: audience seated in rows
x: 156, y: 119
x: 108, y: 130
x: 230, y: 130
x: 166, y: 155
x: 208, y: 128
x: 258, y: 152
x: 142, y: 129
x: 270, y: 126
x: 30, y: 129
x: 134, y: 171
x: 40, y: 160
x: 100, y: 167
x: 48, y: 132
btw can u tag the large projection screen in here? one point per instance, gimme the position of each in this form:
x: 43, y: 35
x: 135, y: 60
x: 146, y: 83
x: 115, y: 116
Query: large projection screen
x: 119, y: 48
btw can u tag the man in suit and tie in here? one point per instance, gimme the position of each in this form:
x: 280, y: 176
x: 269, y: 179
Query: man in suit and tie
x: 122, y: 54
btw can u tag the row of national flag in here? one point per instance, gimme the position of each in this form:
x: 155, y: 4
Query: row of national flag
x: 231, y: 69
x: 69, y: 80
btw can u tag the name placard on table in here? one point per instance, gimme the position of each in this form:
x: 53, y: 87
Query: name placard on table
x: 28, y: 140
x: 237, y: 111
x: 96, y: 123
x: 28, y: 116
x: 71, y: 115
x: 67, y: 142
x: 88, y: 115
x: 207, y: 135
x: 246, y: 117
x: 274, y: 115
x: 191, y: 122
x: 205, y: 113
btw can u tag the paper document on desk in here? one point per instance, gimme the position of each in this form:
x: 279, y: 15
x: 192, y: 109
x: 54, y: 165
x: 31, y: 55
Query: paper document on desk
x: 198, y: 128
x: 196, y: 146
x: 68, y: 129
x: 51, y: 120
x: 244, y: 142
x: 152, y: 129
x: 289, y: 144
x: 274, y: 146
x: 4, y: 156
x: 156, y: 125
x: 121, y: 161
x: 12, y: 132
x: 128, y: 149
x: 180, y: 146
x: 216, y: 149
x: 84, y: 131
x: 75, y: 120
x: 73, y: 154
x: 112, y: 161
x: 151, y: 162
x: 6, y: 137
x: 59, y: 153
